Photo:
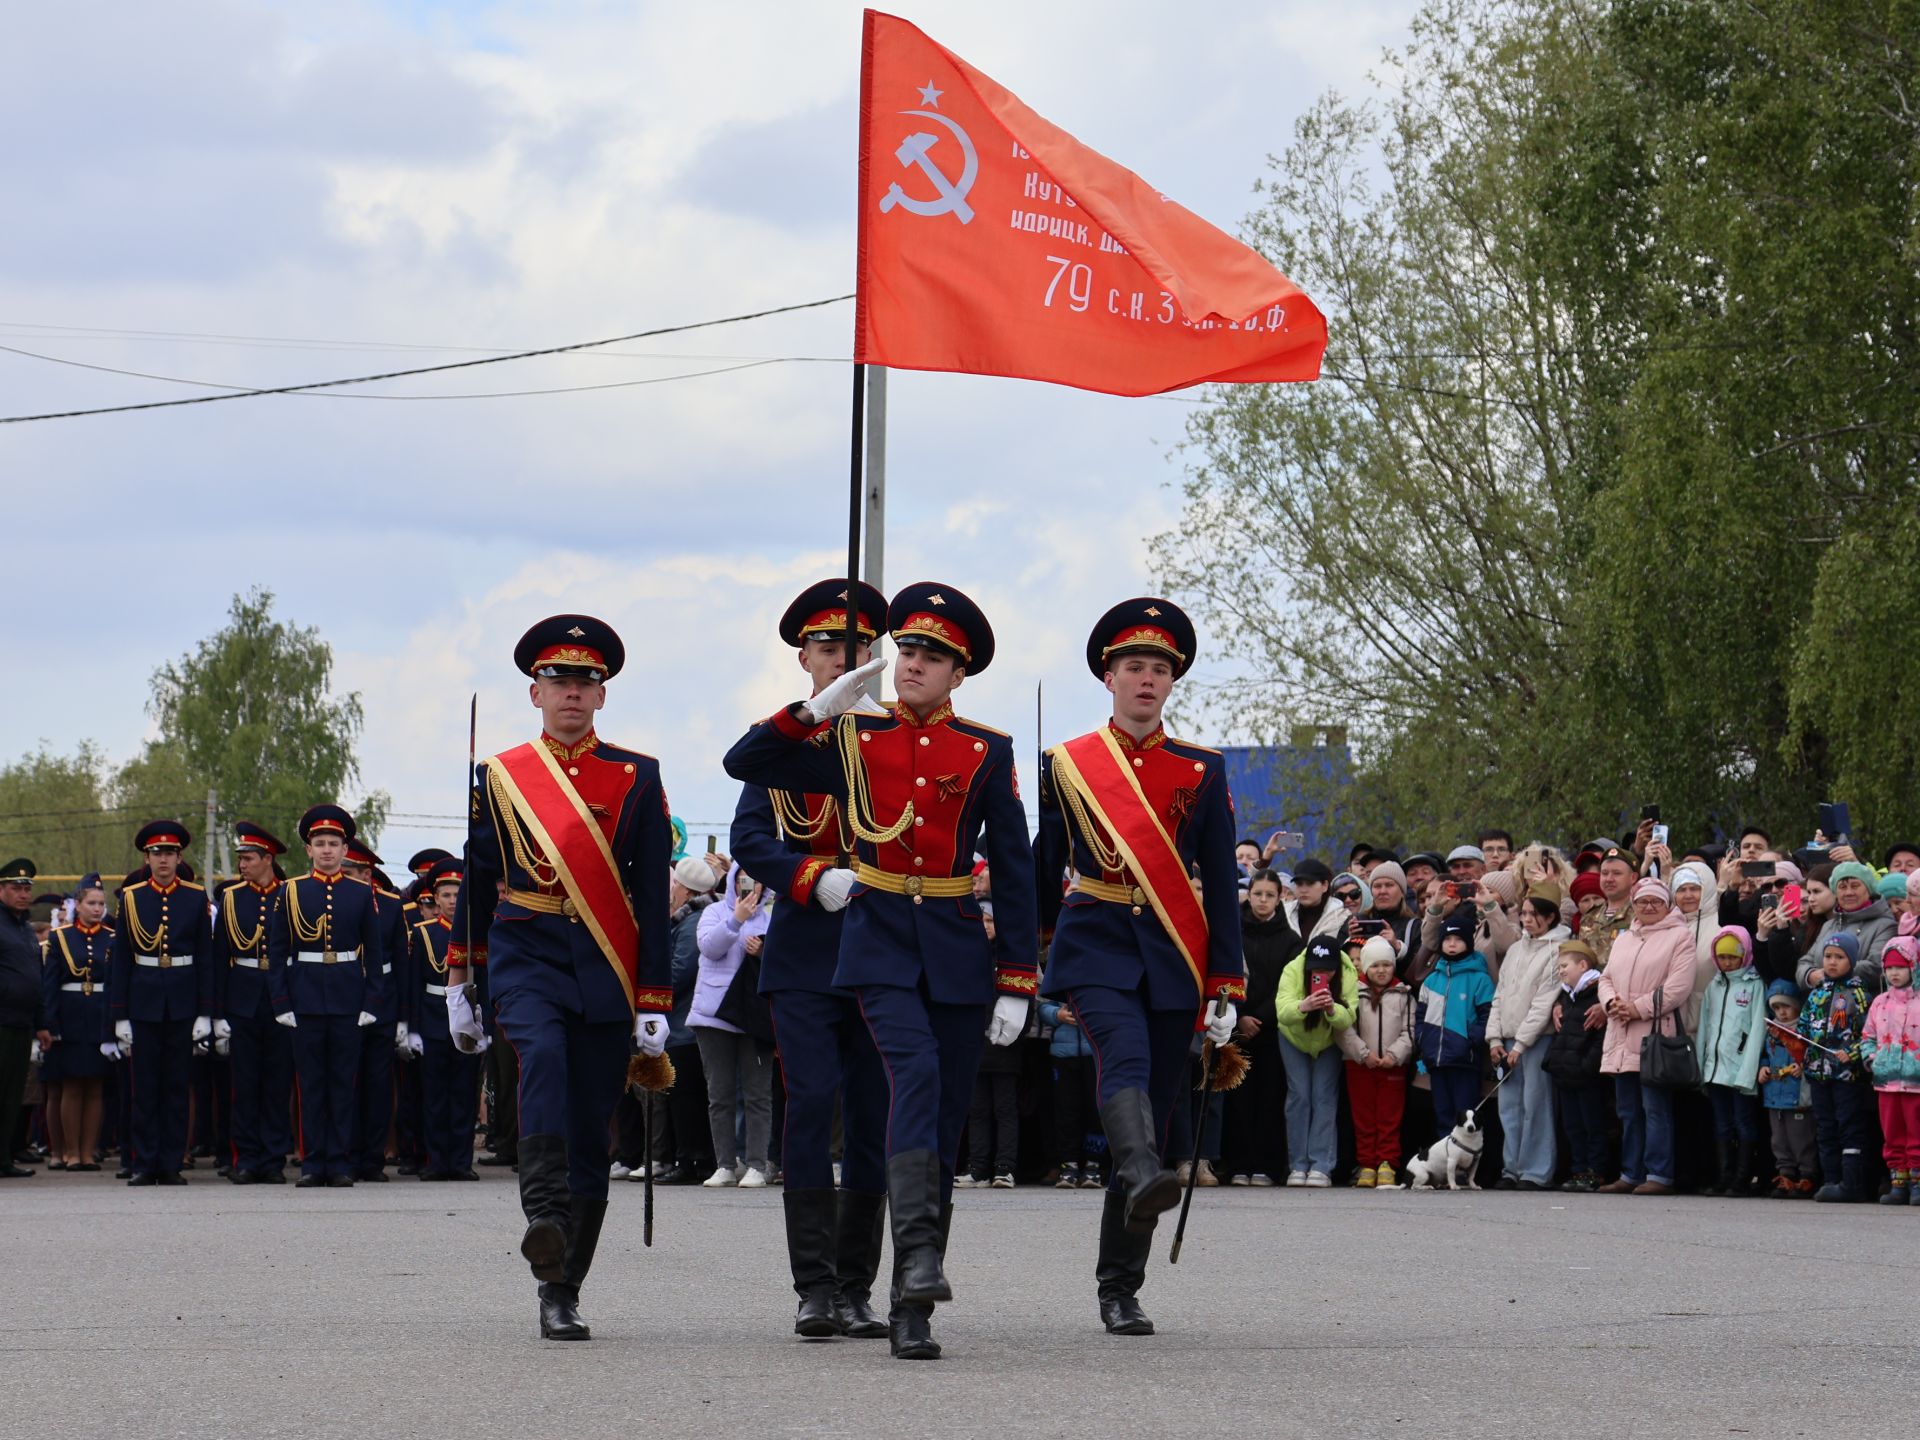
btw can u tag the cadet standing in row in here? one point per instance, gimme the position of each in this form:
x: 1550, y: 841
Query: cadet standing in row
x: 373, y: 1090
x: 161, y: 999
x: 449, y: 1079
x: 918, y: 786
x: 799, y: 846
x: 576, y: 948
x: 74, y: 994
x: 1135, y: 954
x: 323, y: 940
x: 259, y: 1052
x: 21, y: 1014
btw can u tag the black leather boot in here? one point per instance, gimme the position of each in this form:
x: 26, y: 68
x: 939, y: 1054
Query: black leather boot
x: 913, y: 1192
x: 1121, y: 1270
x: 545, y: 1201
x: 810, y: 1224
x: 1744, y: 1155
x: 560, y: 1300
x: 856, y: 1261
x: 910, y: 1323
x: 1150, y: 1188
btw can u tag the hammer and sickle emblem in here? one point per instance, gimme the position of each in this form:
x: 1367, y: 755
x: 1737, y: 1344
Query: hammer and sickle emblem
x: 953, y: 193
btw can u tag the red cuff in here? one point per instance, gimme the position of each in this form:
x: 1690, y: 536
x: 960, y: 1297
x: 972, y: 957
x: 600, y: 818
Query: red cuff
x: 1017, y: 982
x: 458, y: 955
x: 1234, y: 987
x: 790, y: 726
x: 805, y: 878
x: 653, y: 1002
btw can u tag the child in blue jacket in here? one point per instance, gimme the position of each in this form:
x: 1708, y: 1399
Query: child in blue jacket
x: 1788, y: 1098
x: 1455, y: 1000
x: 1075, y: 1115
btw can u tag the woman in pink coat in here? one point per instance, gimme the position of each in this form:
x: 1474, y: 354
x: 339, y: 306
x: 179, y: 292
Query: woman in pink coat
x: 1657, y: 953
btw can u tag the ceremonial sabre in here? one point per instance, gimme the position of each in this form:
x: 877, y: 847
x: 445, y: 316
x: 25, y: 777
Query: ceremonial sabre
x: 1199, y: 1129
x: 646, y: 1139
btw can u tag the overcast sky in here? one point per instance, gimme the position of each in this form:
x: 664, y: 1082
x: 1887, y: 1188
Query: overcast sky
x: 323, y: 184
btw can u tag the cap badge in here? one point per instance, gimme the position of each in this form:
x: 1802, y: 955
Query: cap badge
x: 577, y: 633
x: 936, y: 599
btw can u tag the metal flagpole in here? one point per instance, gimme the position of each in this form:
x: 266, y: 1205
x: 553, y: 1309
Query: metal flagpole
x: 856, y: 502
x: 876, y: 488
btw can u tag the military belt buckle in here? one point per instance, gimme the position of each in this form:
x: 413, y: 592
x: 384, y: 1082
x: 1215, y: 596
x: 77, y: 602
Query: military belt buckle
x: 86, y: 986
x: 166, y: 962
x: 915, y: 884
x: 1138, y: 897
x: 328, y: 957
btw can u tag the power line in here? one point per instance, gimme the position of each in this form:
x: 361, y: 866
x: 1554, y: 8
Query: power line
x: 417, y: 370
x: 330, y: 395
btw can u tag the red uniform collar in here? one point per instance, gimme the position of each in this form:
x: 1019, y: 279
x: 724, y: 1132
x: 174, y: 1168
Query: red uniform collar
x: 89, y: 930
x: 333, y: 879
x: 563, y: 751
x: 941, y: 713
x: 443, y: 922
x: 1127, y: 742
x: 266, y: 889
x: 167, y: 889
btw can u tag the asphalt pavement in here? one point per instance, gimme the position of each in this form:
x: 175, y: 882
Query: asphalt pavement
x: 403, y: 1310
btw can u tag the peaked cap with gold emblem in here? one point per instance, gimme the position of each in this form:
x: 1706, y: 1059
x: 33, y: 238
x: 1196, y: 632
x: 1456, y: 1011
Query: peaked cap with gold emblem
x: 819, y: 612
x: 1147, y: 625
x: 929, y: 613
x: 570, y: 645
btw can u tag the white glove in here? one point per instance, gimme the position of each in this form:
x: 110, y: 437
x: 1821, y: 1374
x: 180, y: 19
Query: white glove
x: 415, y: 1045
x: 123, y: 1032
x: 289, y: 1020
x: 222, y: 1030
x: 650, y: 1034
x: 33, y: 1053
x: 1009, y: 1019
x: 400, y: 1039
x: 1220, y: 1026
x: 202, y: 1028
x: 110, y: 1050
x: 366, y: 1018
x: 843, y: 693
x: 833, y: 889
x: 222, y: 1044
x: 469, y: 1036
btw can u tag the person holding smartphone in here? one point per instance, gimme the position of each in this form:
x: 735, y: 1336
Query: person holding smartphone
x: 738, y: 1069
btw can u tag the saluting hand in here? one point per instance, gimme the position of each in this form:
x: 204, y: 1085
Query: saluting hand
x: 842, y: 694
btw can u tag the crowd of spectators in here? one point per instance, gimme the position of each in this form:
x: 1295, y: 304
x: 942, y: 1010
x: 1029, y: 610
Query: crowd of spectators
x: 1383, y: 1000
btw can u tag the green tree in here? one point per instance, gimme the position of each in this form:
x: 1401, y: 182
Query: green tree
x: 53, y: 809
x: 252, y: 715
x: 1609, y: 495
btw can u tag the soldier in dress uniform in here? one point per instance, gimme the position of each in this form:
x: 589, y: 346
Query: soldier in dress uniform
x: 917, y: 786
x: 449, y: 1079
x: 1135, y: 954
x: 23, y: 1017
x: 161, y: 997
x: 259, y: 1052
x: 324, y: 943
x: 576, y: 948
x: 799, y: 846
x: 373, y: 1089
x: 74, y: 996
x: 408, y: 1116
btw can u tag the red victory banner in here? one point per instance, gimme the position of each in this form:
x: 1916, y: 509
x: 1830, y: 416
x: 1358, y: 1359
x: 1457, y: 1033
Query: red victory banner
x: 993, y: 242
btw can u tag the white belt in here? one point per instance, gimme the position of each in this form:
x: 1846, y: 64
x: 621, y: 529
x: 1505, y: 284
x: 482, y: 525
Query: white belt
x: 436, y: 990
x: 86, y: 988
x: 163, y: 962
x: 247, y: 962
x: 323, y: 957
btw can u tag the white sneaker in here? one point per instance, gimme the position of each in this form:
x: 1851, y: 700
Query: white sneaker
x: 754, y: 1179
x: 1296, y: 1180
x: 1241, y: 1180
x: 620, y: 1172
x: 1262, y: 1181
x: 1002, y: 1181
x: 637, y: 1176
x: 1319, y: 1180
x: 723, y: 1176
